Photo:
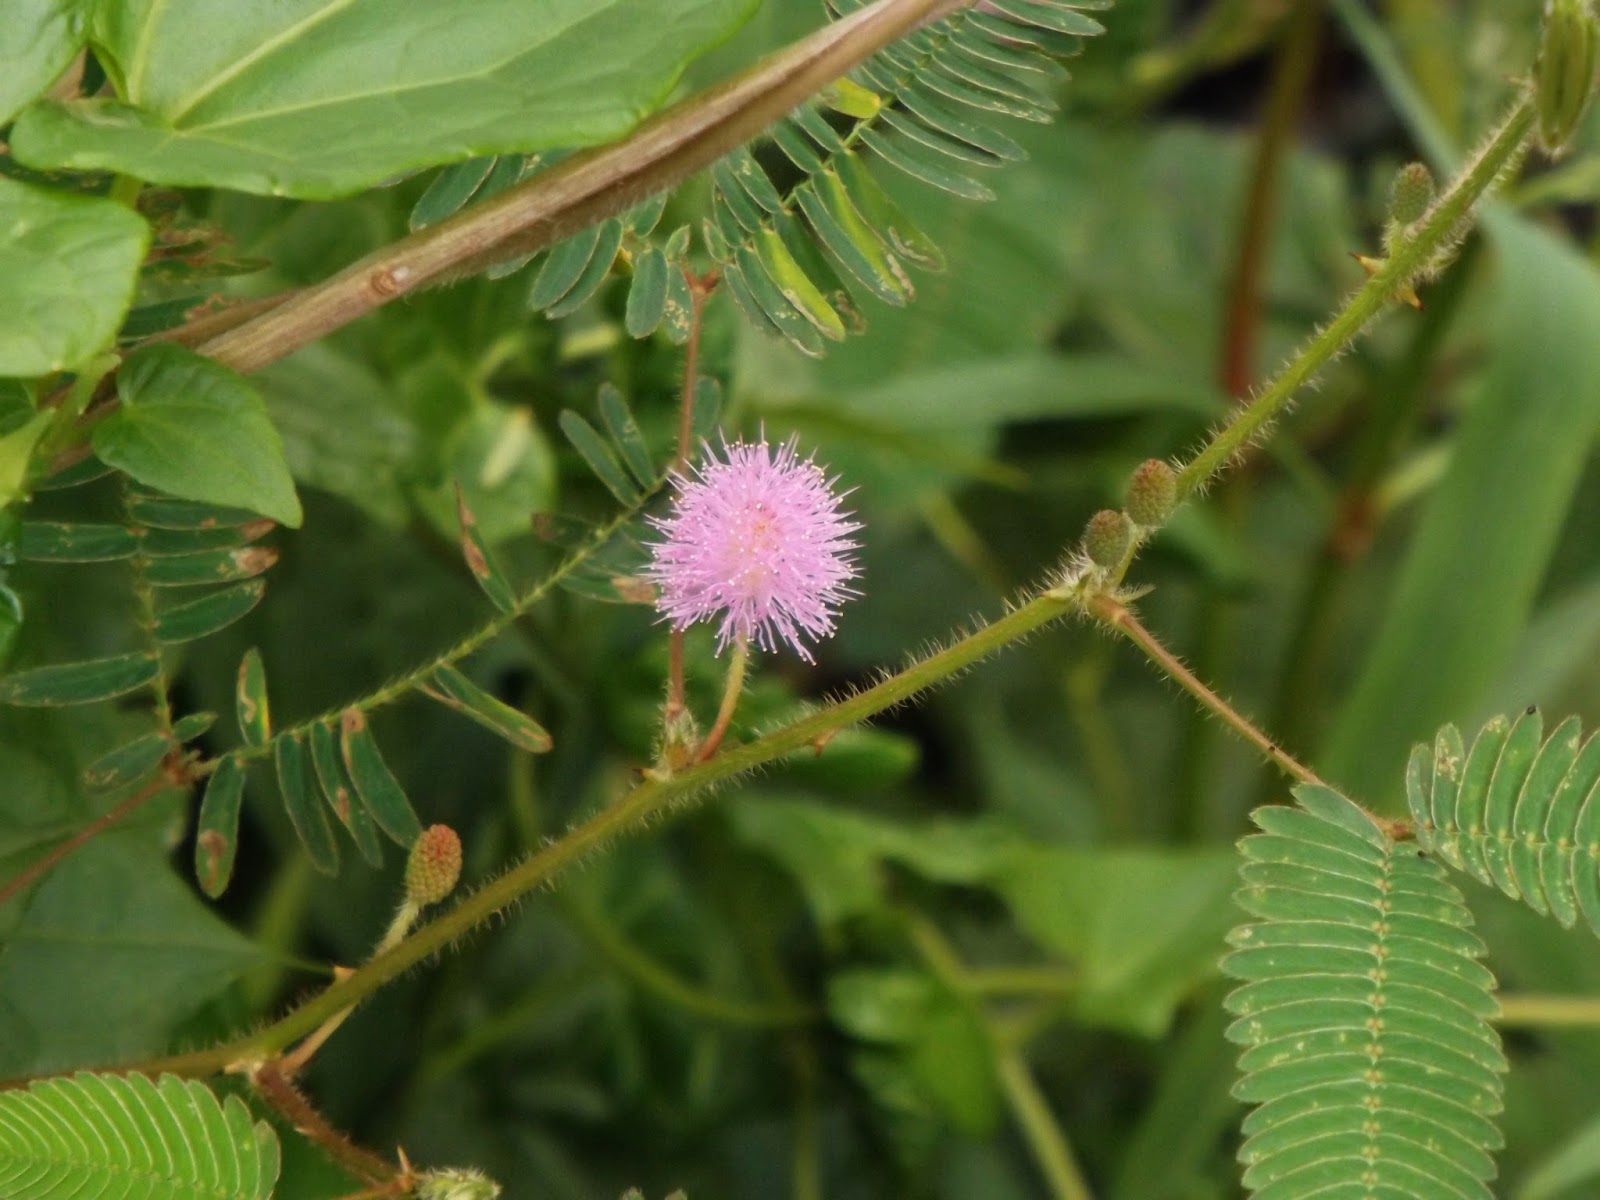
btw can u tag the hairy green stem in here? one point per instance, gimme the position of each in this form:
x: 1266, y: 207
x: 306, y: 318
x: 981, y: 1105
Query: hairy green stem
x: 1118, y: 617
x: 1433, y: 233
x: 1397, y: 402
x: 634, y: 811
x: 405, y: 684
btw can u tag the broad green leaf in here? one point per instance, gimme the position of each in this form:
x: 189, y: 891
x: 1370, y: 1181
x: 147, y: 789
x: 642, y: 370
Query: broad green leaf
x: 195, y: 429
x: 1140, y: 927
x: 79, y: 682
x: 67, y: 270
x: 37, y: 40
x: 110, y: 955
x: 939, y: 1038
x: 379, y: 790
x: 1511, y: 479
x: 16, y: 453
x: 312, y: 99
x: 118, y: 1135
x: 216, y: 840
x: 450, y: 687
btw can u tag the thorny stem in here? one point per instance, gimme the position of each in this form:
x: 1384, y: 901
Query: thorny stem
x: 1398, y: 399
x: 1434, y: 231
x: 1291, y: 75
x: 1292, y: 64
x: 274, y: 1087
x: 730, y: 701
x: 1118, y: 617
x: 636, y: 810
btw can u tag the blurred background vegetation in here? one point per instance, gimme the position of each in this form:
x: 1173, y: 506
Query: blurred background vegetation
x: 882, y: 971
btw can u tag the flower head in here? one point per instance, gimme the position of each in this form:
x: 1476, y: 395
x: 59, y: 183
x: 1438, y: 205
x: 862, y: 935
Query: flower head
x: 756, y: 535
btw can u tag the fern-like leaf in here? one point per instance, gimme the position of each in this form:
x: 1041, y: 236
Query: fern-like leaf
x: 1516, y: 812
x: 925, y: 106
x: 1369, y: 1057
x: 124, y: 1135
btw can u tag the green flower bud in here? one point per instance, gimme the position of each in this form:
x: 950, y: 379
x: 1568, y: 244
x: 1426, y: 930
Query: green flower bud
x: 1152, y: 493
x: 1410, y: 193
x: 456, y: 1184
x: 434, y: 865
x: 1564, y: 76
x: 1106, y: 537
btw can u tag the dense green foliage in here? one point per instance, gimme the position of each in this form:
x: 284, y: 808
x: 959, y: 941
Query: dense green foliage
x: 261, y: 628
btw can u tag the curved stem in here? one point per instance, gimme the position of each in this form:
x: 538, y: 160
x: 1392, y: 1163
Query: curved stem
x: 730, y: 701
x: 1117, y: 616
x: 1051, y: 1150
x: 636, y: 810
x: 1434, y: 233
x: 581, y: 190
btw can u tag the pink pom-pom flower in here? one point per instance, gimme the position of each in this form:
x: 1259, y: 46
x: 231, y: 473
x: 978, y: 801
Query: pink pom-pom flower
x: 757, y: 535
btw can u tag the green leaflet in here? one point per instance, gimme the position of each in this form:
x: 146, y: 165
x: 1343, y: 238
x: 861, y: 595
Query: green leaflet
x: 69, y: 263
x: 450, y: 687
x: 924, y: 106
x: 115, y: 1134
x: 54, y: 541
x: 202, y: 617
x: 303, y: 99
x: 1353, y: 928
x: 1516, y: 812
x: 303, y: 802
x: 596, y: 452
x: 379, y: 790
x: 480, y: 559
x: 195, y: 429
x: 340, y: 794
x: 127, y: 764
x: 250, y: 700
x: 217, y: 830
x: 80, y: 682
